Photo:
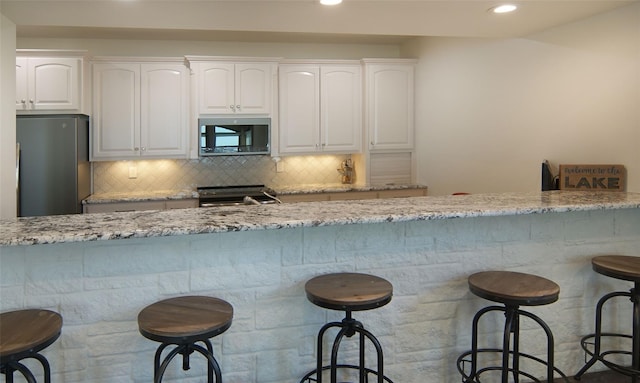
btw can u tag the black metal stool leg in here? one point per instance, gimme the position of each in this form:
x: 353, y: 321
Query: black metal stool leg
x: 348, y: 327
x: 474, y: 340
x: 46, y: 368
x: 597, y: 336
x: 211, y: 361
x: 211, y: 368
x: 635, y: 361
x: 320, y: 351
x: 156, y: 360
x: 510, y: 317
x: 334, y: 354
x: 165, y: 363
x: 363, y: 376
x: 21, y: 368
x: 511, y: 326
x: 550, y: 345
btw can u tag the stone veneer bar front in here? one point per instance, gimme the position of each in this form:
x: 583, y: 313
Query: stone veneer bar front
x: 99, y: 270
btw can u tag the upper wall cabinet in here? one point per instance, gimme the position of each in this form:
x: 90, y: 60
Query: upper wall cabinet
x: 140, y: 109
x: 389, y: 93
x: 48, y: 83
x: 232, y: 87
x: 320, y: 108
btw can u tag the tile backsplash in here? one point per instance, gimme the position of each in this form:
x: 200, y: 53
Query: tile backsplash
x: 151, y: 175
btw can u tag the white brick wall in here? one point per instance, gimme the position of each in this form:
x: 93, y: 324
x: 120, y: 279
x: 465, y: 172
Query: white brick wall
x: 99, y: 288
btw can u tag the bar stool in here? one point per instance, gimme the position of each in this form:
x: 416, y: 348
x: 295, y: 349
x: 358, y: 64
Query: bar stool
x: 183, y: 322
x: 513, y: 290
x: 626, y: 268
x: 348, y: 292
x: 23, y: 334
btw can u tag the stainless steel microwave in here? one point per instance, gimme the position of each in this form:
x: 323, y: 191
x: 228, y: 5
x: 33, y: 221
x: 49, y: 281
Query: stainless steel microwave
x: 234, y: 136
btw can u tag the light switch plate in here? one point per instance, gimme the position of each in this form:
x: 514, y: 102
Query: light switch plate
x: 133, y: 172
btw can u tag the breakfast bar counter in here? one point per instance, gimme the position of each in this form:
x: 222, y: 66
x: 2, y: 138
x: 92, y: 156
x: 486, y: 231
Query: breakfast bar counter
x: 79, y: 228
x: 99, y: 270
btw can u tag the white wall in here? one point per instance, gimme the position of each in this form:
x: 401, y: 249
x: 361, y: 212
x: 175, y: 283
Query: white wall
x: 167, y: 48
x: 489, y: 111
x: 8, y: 206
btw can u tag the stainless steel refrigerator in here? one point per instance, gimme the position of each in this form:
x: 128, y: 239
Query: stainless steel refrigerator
x: 53, y: 169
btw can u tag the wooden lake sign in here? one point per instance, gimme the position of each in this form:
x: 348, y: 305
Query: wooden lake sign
x: 593, y: 177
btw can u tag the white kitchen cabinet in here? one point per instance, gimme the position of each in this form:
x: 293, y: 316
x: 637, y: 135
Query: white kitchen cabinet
x: 320, y: 108
x: 140, y: 110
x: 389, y: 92
x: 48, y: 84
x: 233, y: 87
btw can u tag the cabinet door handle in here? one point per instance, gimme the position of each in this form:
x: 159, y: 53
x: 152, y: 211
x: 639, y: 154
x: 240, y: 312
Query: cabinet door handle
x: 136, y: 149
x: 31, y: 101
x: 233, y: 107
x: 238, y: 107
x: 144, y: 148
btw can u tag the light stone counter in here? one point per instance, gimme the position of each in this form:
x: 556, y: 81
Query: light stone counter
x: 336, y: 188
x: 109, y: 226
x: 160, y: 195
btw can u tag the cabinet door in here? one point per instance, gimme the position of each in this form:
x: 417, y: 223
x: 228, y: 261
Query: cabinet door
x: 253, y: 88
x: 164, y: 110
x: 22, y: 95
x: 390, y: 106
x: 299, y: 109
x: 53, y: 84
x: 116, y: 110
x: 341, y: 109
x: 217, y: 89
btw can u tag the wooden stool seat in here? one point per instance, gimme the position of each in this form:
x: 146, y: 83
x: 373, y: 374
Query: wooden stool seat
x: 513, y: 288
x: 25, y: 332
x: 622, y: 267
x: 349, y: 291
x: 185, y: 319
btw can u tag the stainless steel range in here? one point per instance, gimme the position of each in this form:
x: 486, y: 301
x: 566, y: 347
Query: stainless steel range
x: 210, y: 196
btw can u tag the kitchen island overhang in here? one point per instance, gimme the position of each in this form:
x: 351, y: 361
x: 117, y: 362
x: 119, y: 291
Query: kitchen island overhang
x: 259, y: 257
x: 122, y: 225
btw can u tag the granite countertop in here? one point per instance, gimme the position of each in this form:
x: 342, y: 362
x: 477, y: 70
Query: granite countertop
x: 154, y: 223
x: 159, y: 195
x: 336, y: 188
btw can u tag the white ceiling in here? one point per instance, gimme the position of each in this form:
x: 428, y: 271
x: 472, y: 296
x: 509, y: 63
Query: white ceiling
x: 359, y: 21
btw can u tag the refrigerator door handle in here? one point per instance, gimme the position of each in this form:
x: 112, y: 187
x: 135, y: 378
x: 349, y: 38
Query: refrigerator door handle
x: 18, y: 178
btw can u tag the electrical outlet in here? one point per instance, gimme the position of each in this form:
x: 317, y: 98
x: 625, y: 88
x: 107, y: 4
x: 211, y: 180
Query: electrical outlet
x: 279, y: 167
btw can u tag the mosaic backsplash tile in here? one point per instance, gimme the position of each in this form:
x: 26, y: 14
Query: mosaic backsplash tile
x: 150, y: 175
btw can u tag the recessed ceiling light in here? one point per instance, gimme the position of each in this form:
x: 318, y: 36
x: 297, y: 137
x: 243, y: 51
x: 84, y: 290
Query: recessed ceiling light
x: 330, y: 2
x: 505, y: 8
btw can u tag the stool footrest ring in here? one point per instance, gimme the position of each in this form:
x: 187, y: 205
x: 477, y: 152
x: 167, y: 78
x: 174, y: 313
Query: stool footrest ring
x: 462, y: 359
x: 309, y: 378
x: 601, y: 357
